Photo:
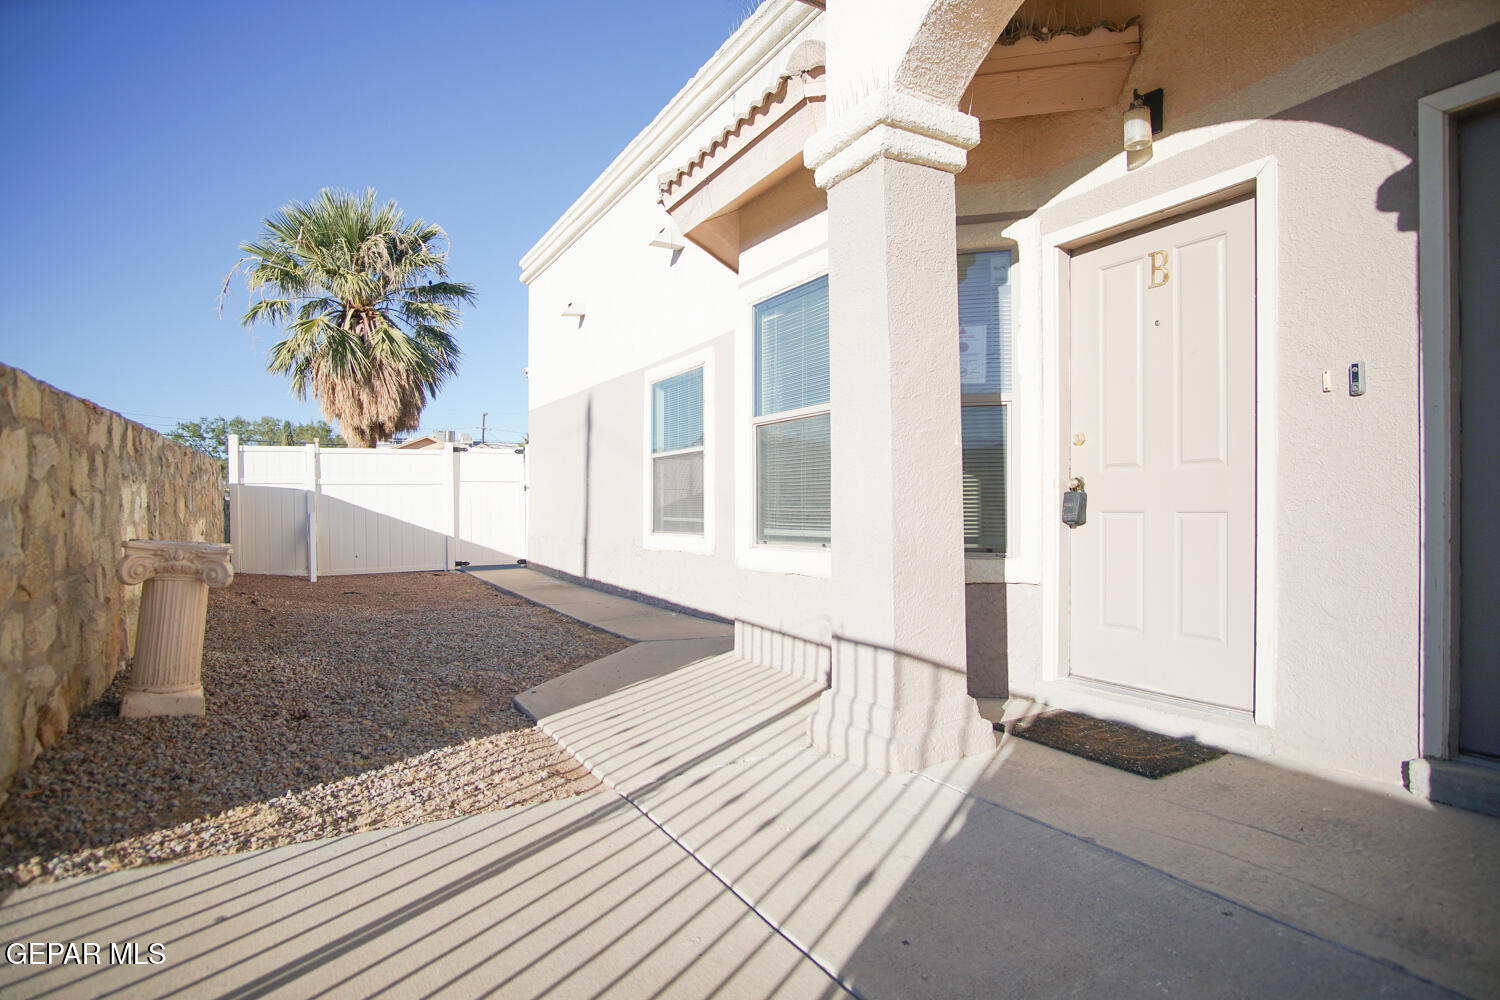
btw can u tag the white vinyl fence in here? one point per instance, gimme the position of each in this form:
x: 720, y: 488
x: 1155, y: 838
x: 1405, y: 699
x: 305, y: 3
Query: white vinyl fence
x: 368, y: 510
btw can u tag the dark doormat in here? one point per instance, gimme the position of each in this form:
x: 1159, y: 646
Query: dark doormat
x: 1114, y: 743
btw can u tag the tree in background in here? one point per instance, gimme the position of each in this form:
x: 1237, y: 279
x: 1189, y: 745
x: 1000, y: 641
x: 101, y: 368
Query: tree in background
x: 210, y: 435
x: 366, y: 306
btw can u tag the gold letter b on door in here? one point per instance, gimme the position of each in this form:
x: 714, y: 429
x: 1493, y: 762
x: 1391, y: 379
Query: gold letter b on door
x: 1159, y: 273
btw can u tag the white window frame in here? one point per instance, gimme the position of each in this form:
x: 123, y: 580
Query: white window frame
x: 676, y: 541
x: 770, y: 557
x: 1436, y: 257
x: 1020, y: 563
x: 990, y: 567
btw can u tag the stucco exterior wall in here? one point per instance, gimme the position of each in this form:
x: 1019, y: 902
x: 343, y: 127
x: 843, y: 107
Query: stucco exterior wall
x: 1201, y: 53
x: 644, y: 308
x: 611, y: 549
x: 627, y: 282
x: 76, y: 481
x: 589, y: 448
x: 1315, y: 110
x: 1343, y: 613
x: 641, y: 306
x: 1004, y: 628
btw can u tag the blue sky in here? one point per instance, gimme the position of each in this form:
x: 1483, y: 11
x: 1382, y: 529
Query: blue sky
x: 143, y: 141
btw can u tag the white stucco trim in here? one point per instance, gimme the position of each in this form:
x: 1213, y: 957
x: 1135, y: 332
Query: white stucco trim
x: 1055, y: 321
x: 1234, y: 731
x: 670, y: 540
x: 749, y: 50
x: 801, y: 560
x: 892, y: 144
x: 894, y: 125
x: 1022, y: 560
x: 1260, y: 177
x: 1436, y: 297
x: 899, y: 110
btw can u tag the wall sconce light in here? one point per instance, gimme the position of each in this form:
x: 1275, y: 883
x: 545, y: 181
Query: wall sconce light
x: 1143, y: 119
x: 574, y: 308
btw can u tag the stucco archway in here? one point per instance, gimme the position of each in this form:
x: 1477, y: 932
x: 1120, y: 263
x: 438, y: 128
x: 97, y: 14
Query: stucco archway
x: 952, y: 39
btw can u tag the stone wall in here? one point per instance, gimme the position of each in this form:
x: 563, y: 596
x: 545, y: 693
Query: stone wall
x: 75, y: 481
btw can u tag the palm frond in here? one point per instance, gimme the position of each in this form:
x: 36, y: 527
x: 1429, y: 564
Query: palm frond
x: 366, y: 304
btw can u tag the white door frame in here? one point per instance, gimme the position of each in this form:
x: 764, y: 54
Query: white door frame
x: 1239, y: 731
x: 1436, y: 253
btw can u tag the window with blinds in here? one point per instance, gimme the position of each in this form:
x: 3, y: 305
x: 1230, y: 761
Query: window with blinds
x: 791, y: 350
x: 677, y: 453
x: 792, y: 458
x: 985, y: 377
x: 792, y: 488
x: 984, y: 478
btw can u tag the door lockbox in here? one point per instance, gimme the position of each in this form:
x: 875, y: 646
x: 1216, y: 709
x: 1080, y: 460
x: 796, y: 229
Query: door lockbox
x: 1075, y: 504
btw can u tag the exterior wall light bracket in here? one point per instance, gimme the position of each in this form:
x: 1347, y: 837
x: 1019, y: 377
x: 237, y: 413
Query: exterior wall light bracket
x: 1143, y: 119
x: 668, y: 238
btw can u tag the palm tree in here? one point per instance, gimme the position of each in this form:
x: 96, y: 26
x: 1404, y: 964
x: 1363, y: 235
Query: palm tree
x: 366, y: 305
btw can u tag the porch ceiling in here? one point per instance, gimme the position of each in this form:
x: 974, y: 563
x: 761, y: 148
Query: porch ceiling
x: 1040, y: 72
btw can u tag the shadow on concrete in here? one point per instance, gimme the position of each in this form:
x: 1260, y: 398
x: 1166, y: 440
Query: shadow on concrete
x: 735, y: 862
x: 1029, y: 872
x: 1059, y: 877
x: 580, y: 898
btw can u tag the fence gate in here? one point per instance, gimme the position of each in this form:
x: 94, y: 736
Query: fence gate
x: 369, y: 510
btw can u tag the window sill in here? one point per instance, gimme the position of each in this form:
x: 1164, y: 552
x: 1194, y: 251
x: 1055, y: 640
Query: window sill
x: 794, y: 559
x: 985, y: 567
x: 667, y: 541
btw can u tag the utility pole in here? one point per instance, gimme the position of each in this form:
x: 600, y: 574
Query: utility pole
x: 482, y: 418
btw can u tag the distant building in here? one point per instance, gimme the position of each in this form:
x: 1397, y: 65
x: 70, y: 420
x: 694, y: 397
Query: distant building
x: 436, y: 439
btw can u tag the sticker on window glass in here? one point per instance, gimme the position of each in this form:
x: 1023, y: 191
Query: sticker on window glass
x: 972, y: 359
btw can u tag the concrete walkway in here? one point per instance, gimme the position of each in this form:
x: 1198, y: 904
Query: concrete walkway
x: 1029, y: 872
x: 621, y: 616
x: 664, y: 640
x: 727, y: 859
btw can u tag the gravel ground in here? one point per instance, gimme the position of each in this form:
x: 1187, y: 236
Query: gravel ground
x: 353, y: 703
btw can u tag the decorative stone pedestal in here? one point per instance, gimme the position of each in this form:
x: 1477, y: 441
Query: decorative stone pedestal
x: 166, y: 678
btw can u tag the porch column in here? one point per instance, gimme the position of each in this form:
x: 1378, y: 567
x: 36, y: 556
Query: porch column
x: 898, y: 699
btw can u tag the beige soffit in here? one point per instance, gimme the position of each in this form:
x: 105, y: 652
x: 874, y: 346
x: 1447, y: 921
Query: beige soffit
x: 1040, y: 73
x: 747, y: 51
x: 758, y: 149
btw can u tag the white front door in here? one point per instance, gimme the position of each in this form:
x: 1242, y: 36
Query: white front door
x: 1162, y: 432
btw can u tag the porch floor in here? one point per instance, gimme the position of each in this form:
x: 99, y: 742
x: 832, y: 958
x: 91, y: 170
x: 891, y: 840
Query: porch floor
x: 728, y: 859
